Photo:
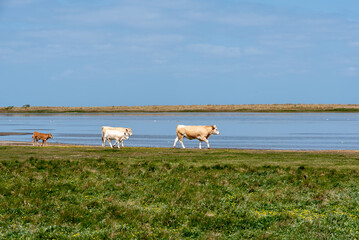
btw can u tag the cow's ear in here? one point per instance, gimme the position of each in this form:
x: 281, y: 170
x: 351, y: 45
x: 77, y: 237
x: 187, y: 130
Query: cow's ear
x: 213, y: 127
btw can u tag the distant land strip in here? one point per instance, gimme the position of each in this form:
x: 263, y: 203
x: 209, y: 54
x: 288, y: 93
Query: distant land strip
x: 189, y: 108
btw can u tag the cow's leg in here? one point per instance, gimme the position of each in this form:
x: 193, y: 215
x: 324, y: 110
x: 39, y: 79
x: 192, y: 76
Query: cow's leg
x: 109, y: 142
x: 181, y: 141
x: 207, y: 143
x: 122, y: 143
x: 176, y: 140
x: 116, y: 142
x: 42, y: 144
x: 103, y: 142
x: 33, y: 141
x: 37, y: 142
x: 200, y: 144
x: 46, y: 143
x: 203, y: 139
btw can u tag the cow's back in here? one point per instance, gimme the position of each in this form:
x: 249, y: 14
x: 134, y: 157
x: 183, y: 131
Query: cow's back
x: 42, y: 136
x: 112, y: 134
x: 192, y: 131
x: 36, y: 135
x: 106, y: 128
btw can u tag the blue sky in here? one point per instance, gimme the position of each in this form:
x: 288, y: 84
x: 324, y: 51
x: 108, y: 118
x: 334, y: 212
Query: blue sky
x: 159, y: 52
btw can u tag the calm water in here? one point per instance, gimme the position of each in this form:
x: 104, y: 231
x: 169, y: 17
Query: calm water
x: 312, y: 131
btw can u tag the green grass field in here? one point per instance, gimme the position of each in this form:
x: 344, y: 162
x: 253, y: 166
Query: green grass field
x: 159, y: 193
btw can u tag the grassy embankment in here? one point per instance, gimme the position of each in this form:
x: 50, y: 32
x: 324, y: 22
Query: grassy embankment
x: 158, y: 193
x: 192, y: 108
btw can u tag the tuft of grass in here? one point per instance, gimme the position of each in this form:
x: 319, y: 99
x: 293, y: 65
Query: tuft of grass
x: 157, y: 193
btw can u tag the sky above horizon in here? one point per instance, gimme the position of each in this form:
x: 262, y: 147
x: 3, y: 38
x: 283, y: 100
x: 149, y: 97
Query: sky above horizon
x: 138, y: 52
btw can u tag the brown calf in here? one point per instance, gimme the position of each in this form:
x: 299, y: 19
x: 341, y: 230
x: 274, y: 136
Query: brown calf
x: 40, y: 136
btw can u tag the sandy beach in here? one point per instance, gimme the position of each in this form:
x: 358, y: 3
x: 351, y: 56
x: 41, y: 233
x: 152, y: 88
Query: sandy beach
x: 13, y: 133
x: 19, y: 143
x: 29, y: 143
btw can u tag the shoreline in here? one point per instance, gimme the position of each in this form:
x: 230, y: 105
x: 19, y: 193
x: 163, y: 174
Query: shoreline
x: 27, y: 144
x: 13, y: 133
x: 24, y: 144
x: 188, y: 108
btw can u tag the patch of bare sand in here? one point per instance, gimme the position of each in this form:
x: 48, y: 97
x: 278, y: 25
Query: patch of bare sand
x: 13, y: 133
x: 19, y: 143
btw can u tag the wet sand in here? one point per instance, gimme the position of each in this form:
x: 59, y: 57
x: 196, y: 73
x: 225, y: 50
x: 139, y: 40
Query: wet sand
x: 13, y: 133
x: 13, y: 143
x: 18, y: 143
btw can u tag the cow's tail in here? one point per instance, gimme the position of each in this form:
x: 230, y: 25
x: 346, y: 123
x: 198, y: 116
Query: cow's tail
x: 102, y: 132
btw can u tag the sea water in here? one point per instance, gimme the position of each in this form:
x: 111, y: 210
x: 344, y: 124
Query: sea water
x: 297, y: 131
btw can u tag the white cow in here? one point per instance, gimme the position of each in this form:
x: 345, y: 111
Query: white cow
x: 201, y: 133
x: 105, y: 128
x: 117, y: 135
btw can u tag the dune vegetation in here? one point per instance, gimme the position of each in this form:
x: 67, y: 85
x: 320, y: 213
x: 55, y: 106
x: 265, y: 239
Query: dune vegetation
x: 190, y: 108
x: 88, y: 192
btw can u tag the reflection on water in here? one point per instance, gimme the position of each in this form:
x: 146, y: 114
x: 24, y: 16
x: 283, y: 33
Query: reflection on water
x: 312, y: 131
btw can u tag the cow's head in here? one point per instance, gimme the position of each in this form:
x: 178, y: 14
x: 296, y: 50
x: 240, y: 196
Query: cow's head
x: 50, y: 136
x: 214, y: 130
x: 129, y: 130
x: 126, y: 133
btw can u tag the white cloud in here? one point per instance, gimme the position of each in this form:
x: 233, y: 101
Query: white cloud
x: 286, y: 40
x: 156, y: 39
x: 67, y: 73
x: 253, y: 51
x: 209, y: 49
x: 105, y: 46
x: 127, y: 15
x: 354, y: 44
x: 63, y: 75
x: 18, y: 3
x: 352, y: 71
x: 249, y: 20
x: 64, y: 35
